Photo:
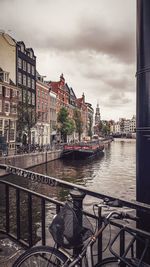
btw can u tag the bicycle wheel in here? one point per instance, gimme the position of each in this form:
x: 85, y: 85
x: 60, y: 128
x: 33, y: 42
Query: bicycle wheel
x: 108, y: 262
x: 41, y: 256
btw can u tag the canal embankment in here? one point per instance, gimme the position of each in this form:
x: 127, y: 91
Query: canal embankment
x: 31, y: 159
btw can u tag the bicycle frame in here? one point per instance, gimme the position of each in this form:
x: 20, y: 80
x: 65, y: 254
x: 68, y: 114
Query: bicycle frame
x: 87, y: 250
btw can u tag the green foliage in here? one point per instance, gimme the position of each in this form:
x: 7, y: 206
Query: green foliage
x: 104, y: 128
x: 78, y: 122
x: 62, y: 115
x: 65, y: 124
x: 26, y: 120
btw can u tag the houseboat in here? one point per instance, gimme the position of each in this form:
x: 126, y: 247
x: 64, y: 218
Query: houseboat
x: 82, y: 150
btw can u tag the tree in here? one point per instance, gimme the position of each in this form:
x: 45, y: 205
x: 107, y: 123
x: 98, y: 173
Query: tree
x: 27, y: 118
x: 78, y: 122
x: 104, y: 128
x: 100, y: 126
x: 65, y: 124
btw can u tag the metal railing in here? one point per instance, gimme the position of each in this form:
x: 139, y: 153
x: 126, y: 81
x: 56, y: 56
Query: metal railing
x: 20, y: 206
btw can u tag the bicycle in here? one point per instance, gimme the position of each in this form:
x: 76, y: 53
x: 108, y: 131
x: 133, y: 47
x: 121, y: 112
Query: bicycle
x: 51, y: 256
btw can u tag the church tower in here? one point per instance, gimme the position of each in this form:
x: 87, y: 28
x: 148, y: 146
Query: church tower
x: 97, y: 115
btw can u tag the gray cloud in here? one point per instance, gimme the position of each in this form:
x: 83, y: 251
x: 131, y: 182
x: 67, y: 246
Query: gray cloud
x: 91, y: 42
x: 89, y: 37
x: 117, y: 100
x: 69, y: 31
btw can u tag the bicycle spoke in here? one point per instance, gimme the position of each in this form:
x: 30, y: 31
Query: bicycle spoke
x: 44, y: 257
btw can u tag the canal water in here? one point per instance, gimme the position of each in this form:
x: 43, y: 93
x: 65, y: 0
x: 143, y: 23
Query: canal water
x: 113, y: 173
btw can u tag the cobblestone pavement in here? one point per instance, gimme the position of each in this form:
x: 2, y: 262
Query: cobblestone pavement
x: 9, y: 251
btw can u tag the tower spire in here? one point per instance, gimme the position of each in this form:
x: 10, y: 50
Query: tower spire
x: 97, y: 114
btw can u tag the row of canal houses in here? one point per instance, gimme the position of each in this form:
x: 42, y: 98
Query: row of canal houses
x: 21, y: 83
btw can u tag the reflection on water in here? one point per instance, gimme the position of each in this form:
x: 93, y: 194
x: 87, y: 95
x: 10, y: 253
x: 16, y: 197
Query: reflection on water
x: 112, y: 173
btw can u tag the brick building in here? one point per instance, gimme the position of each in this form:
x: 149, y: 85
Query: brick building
x: 9, y: 97
x: 20, y: 62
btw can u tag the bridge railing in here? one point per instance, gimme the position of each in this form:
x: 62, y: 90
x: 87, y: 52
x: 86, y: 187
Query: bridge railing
x: 26, y: 214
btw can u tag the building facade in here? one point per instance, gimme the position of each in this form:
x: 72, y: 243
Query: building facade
x: 20, y: 62
x: 53, y: 116
x: 41, y: 131
x: 82, y: 106
x: 9, y: 98
x: 62, y: 92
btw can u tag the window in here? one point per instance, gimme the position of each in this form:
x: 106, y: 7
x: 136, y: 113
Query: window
x: 46, y: 115
x: 24, y: 96
x: 19, y: 77
x: 12, y: 125
x: 29, y: 82
x: 7, y: 92
x: 33, y: 84
x: 6, y: 77
x: 39, y: 114
x: 22, y: 48
x: 12, y: 146
x: 7, y: 107
x: 1, y: 123
x: 14, y: 108
x: 24, y: 80
x: 19, y: 63
x: 14, y: 93
x: 38, y: 92
x: 1, y: 91
x: 6, y: 123
x: 24, y: 65
x: 33, y: 70
x: 0, y: 105
x: 11, y: 135
x: 29, y: 97
x: 33, y: 99
x: 38, y: 104
x: 28, y: 67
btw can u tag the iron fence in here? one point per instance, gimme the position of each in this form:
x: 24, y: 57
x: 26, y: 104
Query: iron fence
x: 25, y: 212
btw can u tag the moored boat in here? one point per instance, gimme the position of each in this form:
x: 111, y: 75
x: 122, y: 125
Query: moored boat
x: 82, y: 150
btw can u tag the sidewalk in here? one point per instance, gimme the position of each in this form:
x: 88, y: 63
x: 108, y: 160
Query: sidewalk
x: 9, y: 251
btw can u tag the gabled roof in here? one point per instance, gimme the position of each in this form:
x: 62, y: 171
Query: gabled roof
x: 54, y: 86
x: 26, y: 49
x: 72, y: 92
x: 10, y: 81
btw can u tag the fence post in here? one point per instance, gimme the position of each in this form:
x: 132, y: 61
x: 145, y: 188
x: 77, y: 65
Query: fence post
x: 77, y: 197
x: 99, y: 247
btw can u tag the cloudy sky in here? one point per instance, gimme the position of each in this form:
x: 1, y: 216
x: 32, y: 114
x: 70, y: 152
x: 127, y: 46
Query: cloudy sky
x: 91, y: 42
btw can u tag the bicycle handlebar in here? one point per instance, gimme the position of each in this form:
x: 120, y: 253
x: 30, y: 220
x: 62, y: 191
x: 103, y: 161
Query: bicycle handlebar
x: 113, y: 203
x: 110, y: 203
x: 121, y: 215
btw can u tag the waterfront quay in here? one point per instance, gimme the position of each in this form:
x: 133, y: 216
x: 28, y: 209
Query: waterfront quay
x: 32, y: 159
